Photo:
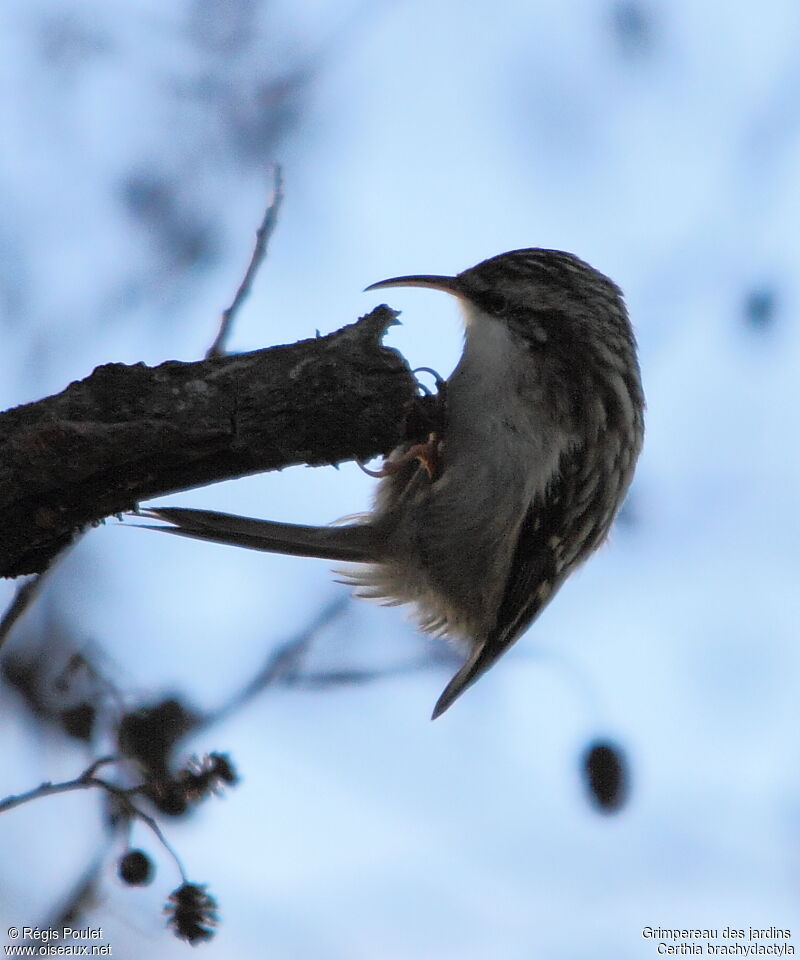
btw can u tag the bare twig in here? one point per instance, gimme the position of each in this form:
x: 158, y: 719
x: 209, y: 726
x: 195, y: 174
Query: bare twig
x: 263, y: 235
x: 24, y: 596
x: 354, y: 676
x: 86, y: 780
x: 83, y: 894
x: 48, y: 789
x: 284, y: 667
x: 282, y: 662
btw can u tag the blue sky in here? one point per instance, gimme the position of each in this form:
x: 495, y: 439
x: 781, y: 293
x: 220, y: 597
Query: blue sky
x: 659, y: 141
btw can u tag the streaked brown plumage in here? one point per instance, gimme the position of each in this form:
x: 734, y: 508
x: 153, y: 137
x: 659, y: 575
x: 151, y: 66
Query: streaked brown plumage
x: 543, y: 427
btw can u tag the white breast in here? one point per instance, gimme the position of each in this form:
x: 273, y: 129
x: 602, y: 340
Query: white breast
x: 451, y: 540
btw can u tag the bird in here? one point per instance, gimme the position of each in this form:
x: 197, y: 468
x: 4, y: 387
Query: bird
x: 479, y: 526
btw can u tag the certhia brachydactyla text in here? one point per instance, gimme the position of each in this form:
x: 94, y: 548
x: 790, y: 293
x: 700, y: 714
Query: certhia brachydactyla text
x: 543, y: 425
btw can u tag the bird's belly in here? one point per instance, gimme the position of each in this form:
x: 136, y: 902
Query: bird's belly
x: 450, y: 540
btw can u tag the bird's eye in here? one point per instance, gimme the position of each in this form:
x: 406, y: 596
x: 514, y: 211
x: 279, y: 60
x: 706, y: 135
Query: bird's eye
x: 494, y: 303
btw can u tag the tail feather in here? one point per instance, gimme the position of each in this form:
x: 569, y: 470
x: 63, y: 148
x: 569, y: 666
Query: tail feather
x: 352, y: 543
x: 481, y: 658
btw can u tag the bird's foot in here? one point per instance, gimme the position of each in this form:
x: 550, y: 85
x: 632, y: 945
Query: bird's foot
x: 439, y: 381
x: 427, y: 454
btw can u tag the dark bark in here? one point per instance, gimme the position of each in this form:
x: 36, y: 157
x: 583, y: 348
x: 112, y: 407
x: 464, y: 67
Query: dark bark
x: 127, y: 433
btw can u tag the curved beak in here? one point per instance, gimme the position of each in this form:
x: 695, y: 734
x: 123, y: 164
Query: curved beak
x: 433, y: 282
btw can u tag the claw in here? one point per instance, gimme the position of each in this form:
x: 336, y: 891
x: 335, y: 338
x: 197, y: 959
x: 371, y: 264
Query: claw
x: 426, y: 453
x: 438, y: 380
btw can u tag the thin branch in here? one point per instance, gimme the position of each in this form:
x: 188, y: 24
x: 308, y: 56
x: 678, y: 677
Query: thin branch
x: 100, y: 762
x: 263, y: 235
x: 282, y: 662
x: 24, y: 596
x: 83, y: 894
x: 150, y: 821
x: 85, y: 781
x: 355, y: 676
x: 284, y: 667
x: 48, y: 789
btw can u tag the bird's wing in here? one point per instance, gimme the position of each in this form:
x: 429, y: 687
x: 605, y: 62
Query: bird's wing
x: 527, y: 591
x: 543, y: 558
x: 355, y: 542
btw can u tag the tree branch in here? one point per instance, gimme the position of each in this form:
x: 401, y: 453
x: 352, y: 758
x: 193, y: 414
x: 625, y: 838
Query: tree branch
x: 263, y: 235
x: 128, y: 433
